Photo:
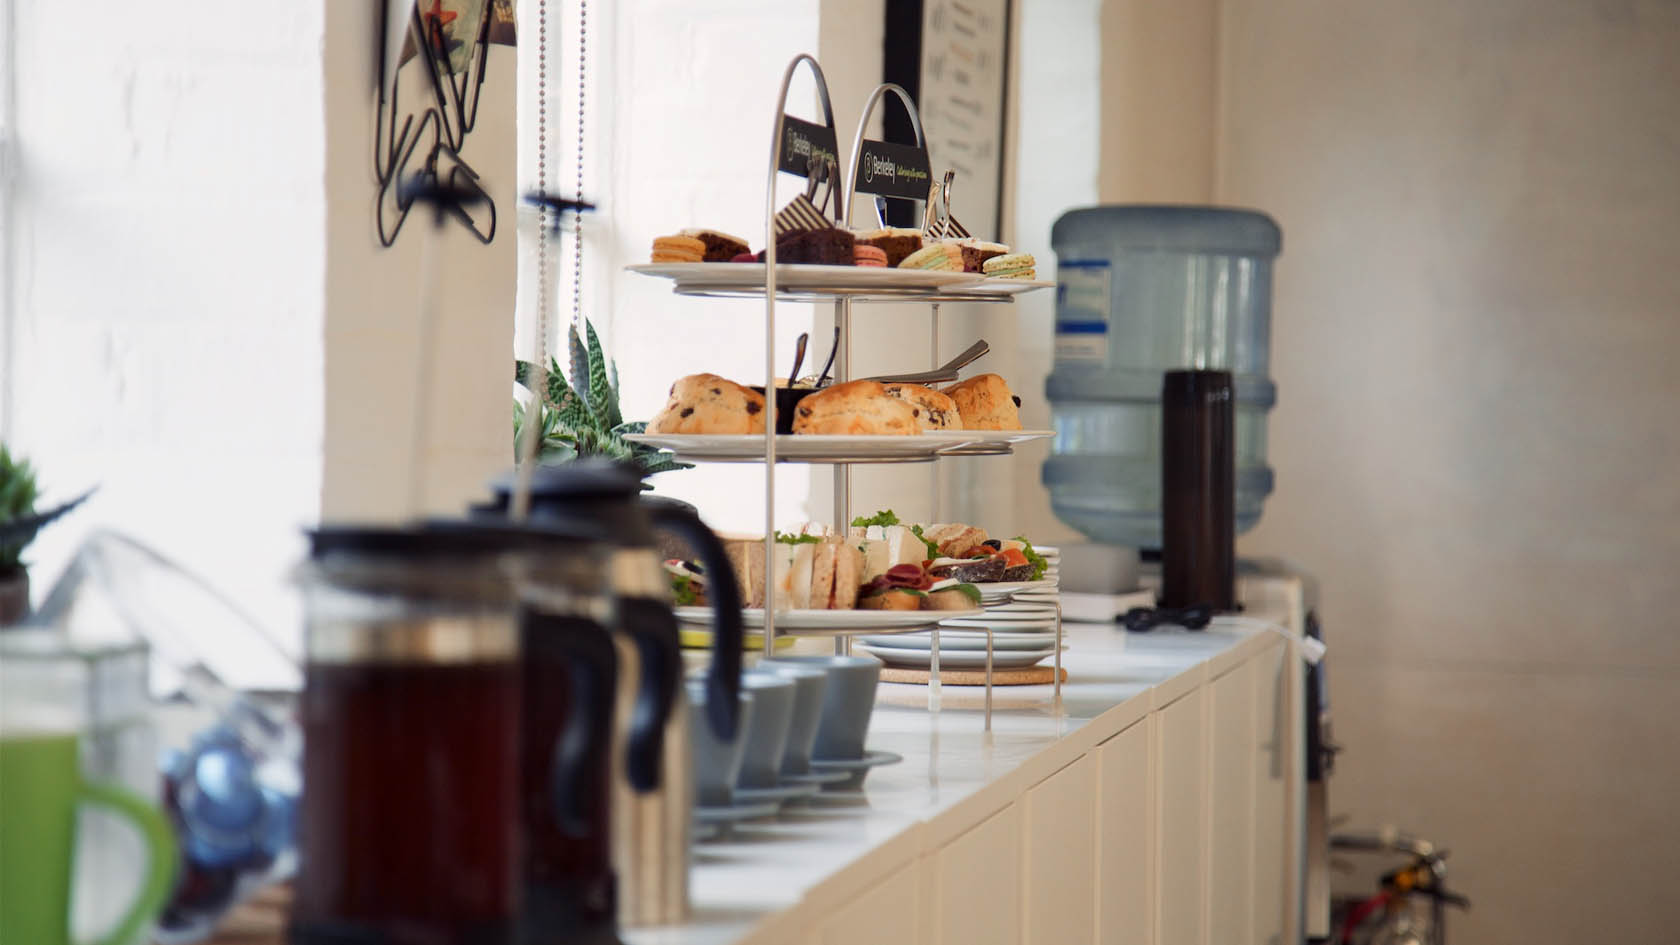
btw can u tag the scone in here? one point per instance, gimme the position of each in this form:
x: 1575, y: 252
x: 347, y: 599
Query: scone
x: 706, y: 403
x: 938, y: 412
x: 986, y: 403
x: 856, y: 408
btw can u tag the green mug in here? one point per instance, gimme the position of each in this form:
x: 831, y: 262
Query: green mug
x: 42, y: 789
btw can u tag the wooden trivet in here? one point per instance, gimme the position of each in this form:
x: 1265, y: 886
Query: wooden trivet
x: 1031, y: 676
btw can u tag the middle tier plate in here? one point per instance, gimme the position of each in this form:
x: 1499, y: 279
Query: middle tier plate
x: 832, y: 622
x: 804, y: 448
x: 691, y: 278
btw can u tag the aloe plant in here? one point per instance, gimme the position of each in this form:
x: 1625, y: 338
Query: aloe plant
x: 580, y: 415
x: 18, y: 492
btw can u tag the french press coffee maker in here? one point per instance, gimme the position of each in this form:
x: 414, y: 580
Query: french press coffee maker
x: 653, y: 798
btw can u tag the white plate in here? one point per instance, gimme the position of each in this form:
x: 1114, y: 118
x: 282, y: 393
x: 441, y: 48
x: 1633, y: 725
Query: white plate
x: 956, y: 659
x: 796, y: 277
x: 1031, y: 642
x: 1012, y: 626
x: 1001, y: 591
x: 801, y: 448
x: 991, y: 286
x: 832, y: 621
x: 1021, y: 607
x: 990, y: 437
x: 1000, y: 617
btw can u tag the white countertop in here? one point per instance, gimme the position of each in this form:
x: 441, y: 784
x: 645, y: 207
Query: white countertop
x: 817, y: 856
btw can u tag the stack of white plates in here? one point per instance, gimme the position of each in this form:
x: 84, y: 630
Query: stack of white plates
x: 1022, y: 618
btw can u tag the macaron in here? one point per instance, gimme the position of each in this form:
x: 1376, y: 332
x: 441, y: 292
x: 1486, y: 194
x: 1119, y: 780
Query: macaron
x: 871, y: 256
x: 1011, y: 266
x: 678, y: 249
x: 945, y: 257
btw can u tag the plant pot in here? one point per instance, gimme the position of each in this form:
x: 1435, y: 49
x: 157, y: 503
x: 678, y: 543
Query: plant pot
x: 14, y: 597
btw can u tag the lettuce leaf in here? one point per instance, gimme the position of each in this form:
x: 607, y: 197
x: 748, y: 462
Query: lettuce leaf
x: 882, y: 518
x: 684, y: 590
x: 785, y: 539
x: 932, y: 546
x: 1039, y: 563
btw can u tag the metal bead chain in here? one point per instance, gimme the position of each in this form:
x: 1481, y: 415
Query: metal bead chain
x: 577, y: 215
x: 543, y: 212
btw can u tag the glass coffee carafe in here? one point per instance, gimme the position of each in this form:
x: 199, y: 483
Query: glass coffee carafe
x: 409, y: 827
x: 653, y: 798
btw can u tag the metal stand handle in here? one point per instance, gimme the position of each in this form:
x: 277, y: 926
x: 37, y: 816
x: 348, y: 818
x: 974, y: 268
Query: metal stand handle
x: 770, y: 332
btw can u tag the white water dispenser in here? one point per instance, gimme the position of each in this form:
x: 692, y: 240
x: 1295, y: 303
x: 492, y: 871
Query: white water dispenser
x: 1142, y: 290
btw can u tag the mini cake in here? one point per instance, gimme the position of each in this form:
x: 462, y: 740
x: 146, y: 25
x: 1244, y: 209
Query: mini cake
x: 935, y: 256
x: 986, y: 403
x: 896, y: 241
x: 856, y: 408
x: 827, y: 247
x: 938, y: 412
x: 1011, y: 266
x: 678, y: 249
x: 871, y: 256
x: 720, y: 247
x: 976, y: 252
x: 707, y: 403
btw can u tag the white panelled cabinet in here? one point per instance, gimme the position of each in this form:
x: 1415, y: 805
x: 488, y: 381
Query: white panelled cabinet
x: 1171, y: 831
x: 1160, y: 807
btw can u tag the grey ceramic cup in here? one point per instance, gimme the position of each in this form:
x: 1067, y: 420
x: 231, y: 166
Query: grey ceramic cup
x: 848, y: 701
x: 809, y: 684
x: 717, y: 763
x: 767, y: 733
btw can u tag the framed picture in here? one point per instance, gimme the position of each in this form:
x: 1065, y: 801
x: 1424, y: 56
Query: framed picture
x: 952, y: 56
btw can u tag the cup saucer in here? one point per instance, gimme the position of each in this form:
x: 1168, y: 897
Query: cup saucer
x: 779, y: 794
x: 818, y: 778
x: 856, y: 769
x: 740, y: 810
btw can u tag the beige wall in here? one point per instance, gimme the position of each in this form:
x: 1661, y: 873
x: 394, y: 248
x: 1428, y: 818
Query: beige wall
x: 1476, y: 333
x: 373, y: 296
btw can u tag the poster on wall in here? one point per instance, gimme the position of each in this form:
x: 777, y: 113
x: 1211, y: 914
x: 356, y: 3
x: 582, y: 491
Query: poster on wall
x: 965, y: 47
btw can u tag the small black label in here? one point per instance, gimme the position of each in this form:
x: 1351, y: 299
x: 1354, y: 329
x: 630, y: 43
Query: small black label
x: 893, y: 170
x: 801, y: 141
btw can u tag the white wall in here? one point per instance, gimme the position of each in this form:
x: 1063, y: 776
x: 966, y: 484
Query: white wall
x: 1475, y: 340
x: 681, y: 110
x: 165, y: 280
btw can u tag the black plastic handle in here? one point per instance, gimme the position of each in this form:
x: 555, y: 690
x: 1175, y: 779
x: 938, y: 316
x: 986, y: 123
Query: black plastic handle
x: 591, y: 675
x: 723, y: 680
x: 652, y: 629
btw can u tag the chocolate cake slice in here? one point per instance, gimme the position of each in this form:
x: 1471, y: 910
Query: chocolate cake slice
x: 826, y: 247
x: 720, y: 247
x: 976, y: 252
x: 896, y: 242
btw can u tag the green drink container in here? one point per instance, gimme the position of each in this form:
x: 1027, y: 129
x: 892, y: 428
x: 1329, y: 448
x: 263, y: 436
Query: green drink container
x: 46, y: 690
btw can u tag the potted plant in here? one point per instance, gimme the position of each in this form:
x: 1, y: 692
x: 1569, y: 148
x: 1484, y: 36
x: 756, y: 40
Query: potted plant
x: 19, y: 524
x: 579, y: 416
x: 17, y: 504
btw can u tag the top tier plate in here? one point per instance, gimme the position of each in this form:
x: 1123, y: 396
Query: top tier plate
x: 795, y: 280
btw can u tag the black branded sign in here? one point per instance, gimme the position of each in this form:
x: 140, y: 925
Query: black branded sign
x: 802, y: 141
x: 893, y: 170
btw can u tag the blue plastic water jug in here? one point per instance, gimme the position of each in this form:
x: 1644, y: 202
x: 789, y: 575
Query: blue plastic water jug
x: 1142, y: 290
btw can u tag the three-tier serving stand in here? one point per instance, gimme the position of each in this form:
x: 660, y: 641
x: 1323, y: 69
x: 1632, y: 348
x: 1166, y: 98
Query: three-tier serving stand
x: 843, y: 297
